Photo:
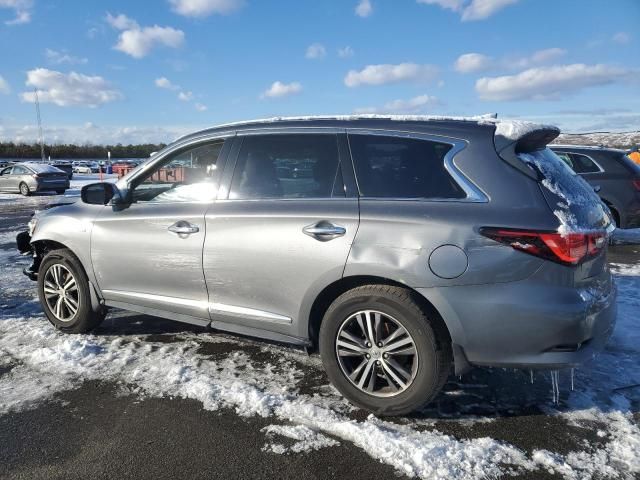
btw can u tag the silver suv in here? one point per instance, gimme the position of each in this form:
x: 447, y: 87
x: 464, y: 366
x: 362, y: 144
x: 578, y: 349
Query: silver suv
x: 398, y: 247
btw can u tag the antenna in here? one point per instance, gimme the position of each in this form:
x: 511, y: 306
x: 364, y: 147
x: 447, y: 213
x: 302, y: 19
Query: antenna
x: 40, y: 136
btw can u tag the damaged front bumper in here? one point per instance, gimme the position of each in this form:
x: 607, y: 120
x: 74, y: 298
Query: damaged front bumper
x: 23, y: 241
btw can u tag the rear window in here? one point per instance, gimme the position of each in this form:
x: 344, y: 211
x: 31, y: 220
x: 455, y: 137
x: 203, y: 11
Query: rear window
x: 395, y: 167
x: 43, y: 168
x: 571, y: 198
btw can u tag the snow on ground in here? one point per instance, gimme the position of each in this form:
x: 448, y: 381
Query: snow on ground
x: 37, y: 362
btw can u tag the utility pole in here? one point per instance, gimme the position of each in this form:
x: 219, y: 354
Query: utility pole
x: 40, y: 136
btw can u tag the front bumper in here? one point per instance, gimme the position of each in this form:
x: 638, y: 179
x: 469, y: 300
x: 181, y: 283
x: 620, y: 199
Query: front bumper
x: 524, y: 325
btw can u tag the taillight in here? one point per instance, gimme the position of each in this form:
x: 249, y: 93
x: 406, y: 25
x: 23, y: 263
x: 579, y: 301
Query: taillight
x: 35, y: 176
x: 568, y: 249
x: 636, y: 184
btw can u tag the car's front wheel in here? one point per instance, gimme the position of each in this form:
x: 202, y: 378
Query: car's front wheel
x: 63, y: 289
x: 381, y: 351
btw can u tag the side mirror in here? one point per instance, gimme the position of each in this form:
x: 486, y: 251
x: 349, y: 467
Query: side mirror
x: 99, y: 193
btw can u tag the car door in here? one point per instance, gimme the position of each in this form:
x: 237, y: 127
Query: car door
x: 280, y: 231
x: 148, y: 257
x: 18, y: 175
x: 5, y: 179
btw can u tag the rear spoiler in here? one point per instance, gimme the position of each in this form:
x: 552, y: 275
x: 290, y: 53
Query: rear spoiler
x: 511, y: 138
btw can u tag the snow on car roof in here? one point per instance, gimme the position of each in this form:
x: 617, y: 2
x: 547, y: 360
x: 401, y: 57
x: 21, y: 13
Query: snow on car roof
x: 42, y: 167
x: 509, y: 129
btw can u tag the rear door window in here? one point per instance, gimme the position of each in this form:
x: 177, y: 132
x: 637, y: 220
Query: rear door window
x: 398, y: 167
x: 287, y: 166
x: 583, y: 164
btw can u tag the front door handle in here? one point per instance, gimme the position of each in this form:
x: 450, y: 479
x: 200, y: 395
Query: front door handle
x: 324, y: 231
x: 184, y: 228
x: 597, y: 188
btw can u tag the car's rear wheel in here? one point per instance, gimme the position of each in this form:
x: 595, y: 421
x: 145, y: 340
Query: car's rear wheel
x: 63, y: 289
x: 24, y: 189
x: 382, y: 351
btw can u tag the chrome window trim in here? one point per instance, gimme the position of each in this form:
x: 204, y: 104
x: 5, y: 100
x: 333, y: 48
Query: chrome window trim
x: 211, y: 307
x: 473, y: 193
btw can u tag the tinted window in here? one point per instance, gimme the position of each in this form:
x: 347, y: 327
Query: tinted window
x: 566, y: 158
x: 17, y: 170
x: 5, y: 171
x: 286, y: 166
x: 394, y: 167
x: 43, y: 168
x: 188, y: 176
x: 583, y: 164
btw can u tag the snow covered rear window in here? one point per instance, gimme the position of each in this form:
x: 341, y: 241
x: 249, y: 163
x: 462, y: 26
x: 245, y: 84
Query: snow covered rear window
x: 571, y: 198
x: 43, y: 168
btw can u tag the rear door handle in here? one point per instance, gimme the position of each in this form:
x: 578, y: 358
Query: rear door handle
x: 183, y: 227
x: 324, y: 231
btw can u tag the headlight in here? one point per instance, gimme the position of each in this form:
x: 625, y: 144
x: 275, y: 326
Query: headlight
x: 32, y: 226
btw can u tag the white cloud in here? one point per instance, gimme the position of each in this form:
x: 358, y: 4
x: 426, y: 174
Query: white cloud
x: 477, y: 62
x: 164, y: 82
x: 621, y: 38
x: 4, y: 86
x: 455, y: 5
x: 388, y: 73
x: 470, y: 10
x: 364, y: 8
x: 547, y: 83
x: 72, y: 89
x: 121, y: 22
x: 315, y: 51
x: 139, y: 41
x: 539, y: 57
x: 200, y: 107
x: 57, y: 57
x: 185, y: 96
x: 414, y: 105
x: 481, y: 9
x: 279, y: 89
x: 473, y: 62
x: 204, y: 8
x: 346, y: 52
x: 21, y: 8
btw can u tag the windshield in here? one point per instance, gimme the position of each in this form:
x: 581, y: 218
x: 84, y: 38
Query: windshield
x: 570, y: 197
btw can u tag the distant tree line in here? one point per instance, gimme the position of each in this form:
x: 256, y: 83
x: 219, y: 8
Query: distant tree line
x: 26, y: 150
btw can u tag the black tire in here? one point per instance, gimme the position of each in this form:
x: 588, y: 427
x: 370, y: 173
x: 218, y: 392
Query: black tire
x: 24, y: 189
x: 431, y: 344
x: 85, y: 319
x: 60, y: 191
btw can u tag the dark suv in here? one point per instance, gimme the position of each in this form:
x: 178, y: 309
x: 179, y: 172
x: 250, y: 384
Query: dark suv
x: 612, y: 174
x: 398, y: 247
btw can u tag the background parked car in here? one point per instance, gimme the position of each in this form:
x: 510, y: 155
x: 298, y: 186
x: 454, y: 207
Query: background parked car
x: 613, y: 176
x: 27, y: 178
x: 81, y: 167
x: 63, y: 165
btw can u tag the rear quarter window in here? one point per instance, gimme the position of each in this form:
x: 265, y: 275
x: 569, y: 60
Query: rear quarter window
x: 396, y: 167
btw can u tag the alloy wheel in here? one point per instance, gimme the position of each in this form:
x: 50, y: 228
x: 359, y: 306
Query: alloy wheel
x: 61, y: 292
x: 376, y: 353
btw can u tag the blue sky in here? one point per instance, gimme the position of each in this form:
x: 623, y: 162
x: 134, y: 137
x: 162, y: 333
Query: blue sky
x: 149, y: 71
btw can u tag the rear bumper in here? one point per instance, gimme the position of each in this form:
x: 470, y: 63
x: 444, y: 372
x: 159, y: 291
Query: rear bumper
x: 525, y: 325
x: 57, y: 185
